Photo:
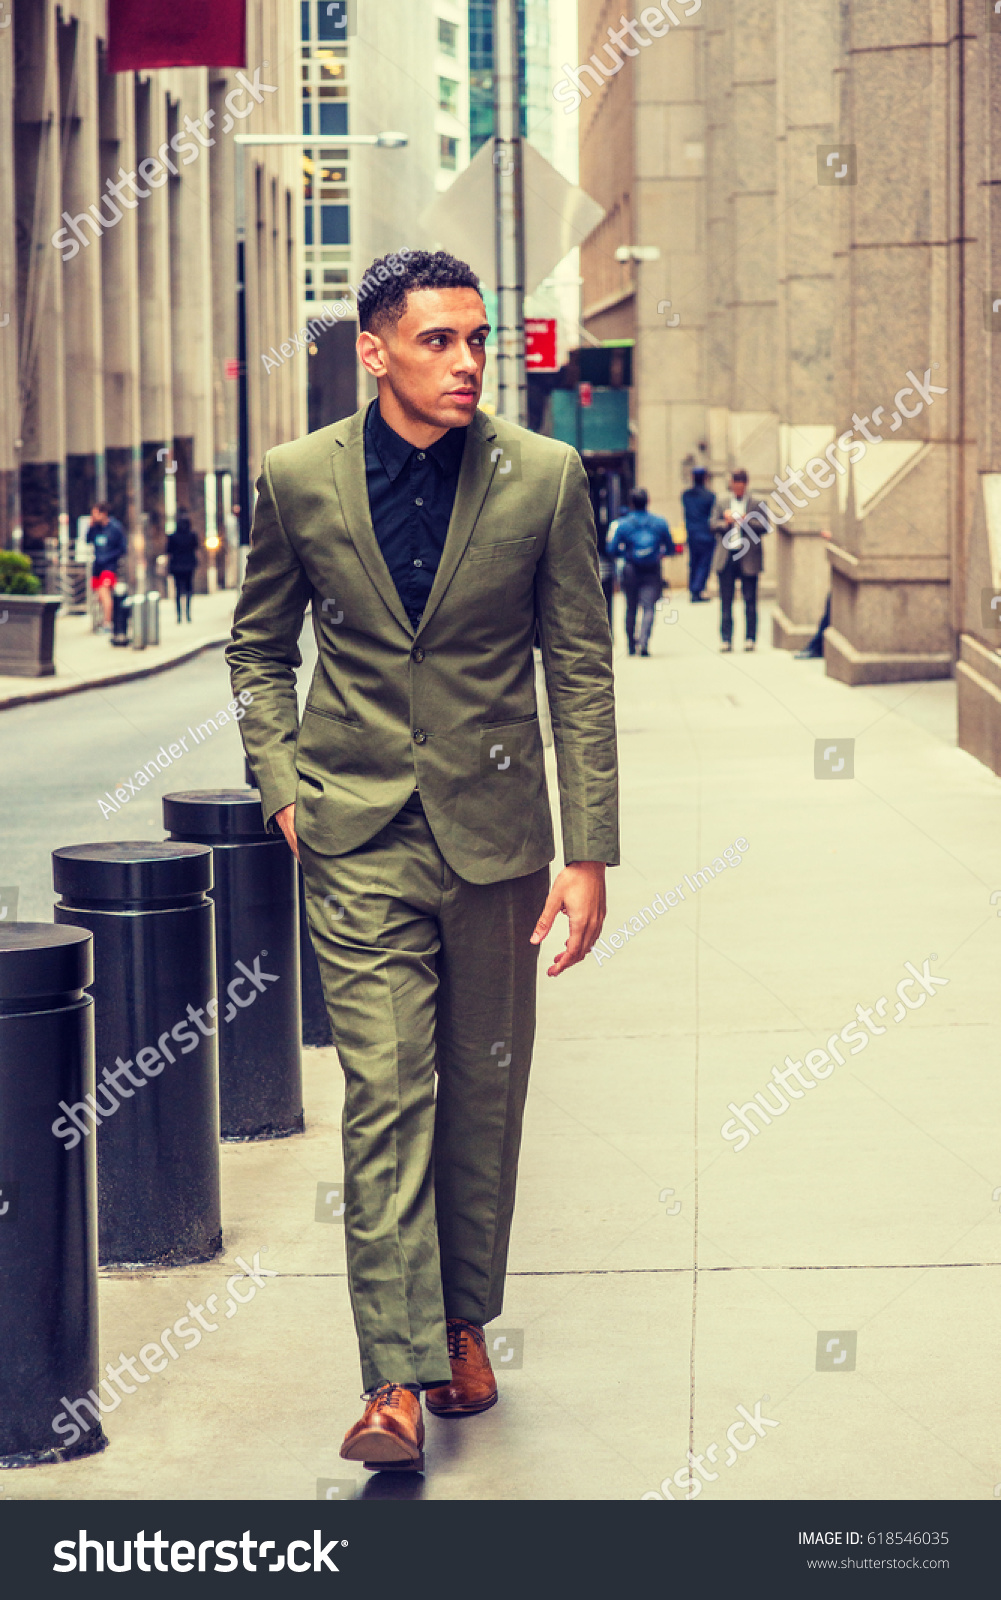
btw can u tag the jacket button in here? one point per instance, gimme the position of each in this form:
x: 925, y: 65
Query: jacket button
x: 417, y: 653
x: 419, y: 736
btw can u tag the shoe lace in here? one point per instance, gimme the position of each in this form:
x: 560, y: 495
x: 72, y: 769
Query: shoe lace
x: 458, y: 1330
x: 387, y: 1394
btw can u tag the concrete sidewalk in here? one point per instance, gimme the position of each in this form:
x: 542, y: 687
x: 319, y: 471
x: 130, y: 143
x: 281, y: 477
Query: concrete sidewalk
x: 88, y: 660
x: 835, y: 1274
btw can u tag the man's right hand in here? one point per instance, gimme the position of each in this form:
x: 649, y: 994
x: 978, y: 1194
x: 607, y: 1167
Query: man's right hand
x: 285, y: 819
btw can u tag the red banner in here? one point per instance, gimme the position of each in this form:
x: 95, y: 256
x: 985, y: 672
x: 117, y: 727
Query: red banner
x: 178, y: 33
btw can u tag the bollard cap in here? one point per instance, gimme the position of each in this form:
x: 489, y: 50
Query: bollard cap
x: 221, y: 814
x: 133, y: 870
x: 39, y: 959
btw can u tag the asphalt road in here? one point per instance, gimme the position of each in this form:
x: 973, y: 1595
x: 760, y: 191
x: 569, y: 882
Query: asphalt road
x: 58, y: 759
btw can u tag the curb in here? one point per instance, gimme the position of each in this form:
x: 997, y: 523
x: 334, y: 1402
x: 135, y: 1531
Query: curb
x: 80, y: 685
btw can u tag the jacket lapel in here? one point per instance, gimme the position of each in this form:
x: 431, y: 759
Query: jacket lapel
x: 348, y: 468
x: 475, y: 477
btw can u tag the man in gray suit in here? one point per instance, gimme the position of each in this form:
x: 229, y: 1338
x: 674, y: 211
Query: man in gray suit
x: 738, y: 555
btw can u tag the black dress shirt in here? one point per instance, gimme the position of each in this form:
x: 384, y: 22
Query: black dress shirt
x: 411, y: 493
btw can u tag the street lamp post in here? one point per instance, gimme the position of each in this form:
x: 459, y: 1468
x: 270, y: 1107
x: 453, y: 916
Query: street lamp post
x: 385, y: 141
x: 509, y: 217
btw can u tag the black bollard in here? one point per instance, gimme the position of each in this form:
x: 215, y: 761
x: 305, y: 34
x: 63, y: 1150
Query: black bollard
x: 157, y: 1095
x: 257, y: 960
x: 315, y: 1020
x: 48, y: 1199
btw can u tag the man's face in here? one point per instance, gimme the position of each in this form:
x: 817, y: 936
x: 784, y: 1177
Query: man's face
x: 738, y: 488
x: 98, y: 516
x: 433, y: 358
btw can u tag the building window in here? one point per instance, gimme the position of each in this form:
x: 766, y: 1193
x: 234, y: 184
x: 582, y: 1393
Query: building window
x: 335, y: 224
x: 448, y: 152
x: 448, y: 37
x: 307, y: 233
x: 333, y: 118
x: 448, y: 96
x: 333, y: 20
x: 305, y: 19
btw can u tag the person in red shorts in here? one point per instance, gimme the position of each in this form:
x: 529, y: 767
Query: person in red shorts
x: 107, y: 536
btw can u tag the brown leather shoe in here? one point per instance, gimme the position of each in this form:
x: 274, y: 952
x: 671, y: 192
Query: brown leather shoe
x: 473, y: 1387
x: 390, y: 1434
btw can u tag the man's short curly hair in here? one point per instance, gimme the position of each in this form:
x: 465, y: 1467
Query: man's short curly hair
x: 382, y: 293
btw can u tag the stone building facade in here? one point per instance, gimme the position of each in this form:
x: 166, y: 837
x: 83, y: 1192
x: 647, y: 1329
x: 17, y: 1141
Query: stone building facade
x: 117, y: 276
x: 817, y: 177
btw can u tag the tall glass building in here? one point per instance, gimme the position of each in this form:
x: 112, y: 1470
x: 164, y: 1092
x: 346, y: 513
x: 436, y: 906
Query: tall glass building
x: 326, y: 82
x: 533, y: 71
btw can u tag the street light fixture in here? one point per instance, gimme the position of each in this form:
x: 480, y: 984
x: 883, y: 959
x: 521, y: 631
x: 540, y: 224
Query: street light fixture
x: 390, y: 140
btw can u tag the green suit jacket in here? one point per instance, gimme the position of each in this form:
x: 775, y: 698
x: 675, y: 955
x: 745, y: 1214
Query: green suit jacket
x: 450, y: 708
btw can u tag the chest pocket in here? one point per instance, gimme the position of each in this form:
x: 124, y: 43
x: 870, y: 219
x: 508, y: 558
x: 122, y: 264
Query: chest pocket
x: 501, y: 549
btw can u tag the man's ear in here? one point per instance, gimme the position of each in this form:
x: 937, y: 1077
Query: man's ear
x: 372, y: 354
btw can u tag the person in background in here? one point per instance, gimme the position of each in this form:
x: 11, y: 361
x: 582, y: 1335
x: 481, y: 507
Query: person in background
x: 814, y: 651
x: 642, y: 539
x: 698, y: 503
x: 182, y: 559
x: 731, y: 561
x: 107, y: 536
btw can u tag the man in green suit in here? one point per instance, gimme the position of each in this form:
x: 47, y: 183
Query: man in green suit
x: 432, y: 542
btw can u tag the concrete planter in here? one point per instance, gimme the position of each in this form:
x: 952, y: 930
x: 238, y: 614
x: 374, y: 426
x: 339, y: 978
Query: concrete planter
x: 27, y: 634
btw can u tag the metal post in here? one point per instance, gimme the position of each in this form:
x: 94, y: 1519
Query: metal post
x: 509, y: 217
x: 243, y: 399
x: 156, y: 1019
x: 48, y: 1202
x: 256, y: 930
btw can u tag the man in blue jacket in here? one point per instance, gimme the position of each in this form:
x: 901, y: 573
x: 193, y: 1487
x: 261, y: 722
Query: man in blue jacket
x: 107, y: 536
x: 642, y: 539
x: 698, y: 503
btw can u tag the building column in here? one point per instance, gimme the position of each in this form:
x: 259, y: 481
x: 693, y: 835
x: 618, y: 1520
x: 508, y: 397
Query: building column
x: 191, y: 307
x: 753, y: 355
x: 669, y: 210
x: 93, y: 216
x: 155, y: 324
x: 807, y: 56
x: 977, y: 554
x: 40, y: 272
x: 120, y: 289
x: 10, y: 322
x: 898, y: 265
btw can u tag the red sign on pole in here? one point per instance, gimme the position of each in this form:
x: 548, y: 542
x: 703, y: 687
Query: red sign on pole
x: 540, y: 344
x: 232, y: 368
x: 584, y: 393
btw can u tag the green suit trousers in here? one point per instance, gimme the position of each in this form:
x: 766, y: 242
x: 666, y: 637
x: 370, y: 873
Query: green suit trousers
x: 430, y: 985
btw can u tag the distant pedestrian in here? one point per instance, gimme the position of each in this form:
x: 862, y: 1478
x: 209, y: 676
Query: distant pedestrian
x: 107, y: 536
x: 739, y: 555
x: 814, y: 651
x: 182, y: 559
x: 642, y: 539
x: 699, y: 502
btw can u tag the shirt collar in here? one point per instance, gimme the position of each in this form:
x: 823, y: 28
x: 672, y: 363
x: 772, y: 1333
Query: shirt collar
x: 395, y: 453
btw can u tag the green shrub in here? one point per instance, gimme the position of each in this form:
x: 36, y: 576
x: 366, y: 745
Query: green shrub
x: 16, y: 576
